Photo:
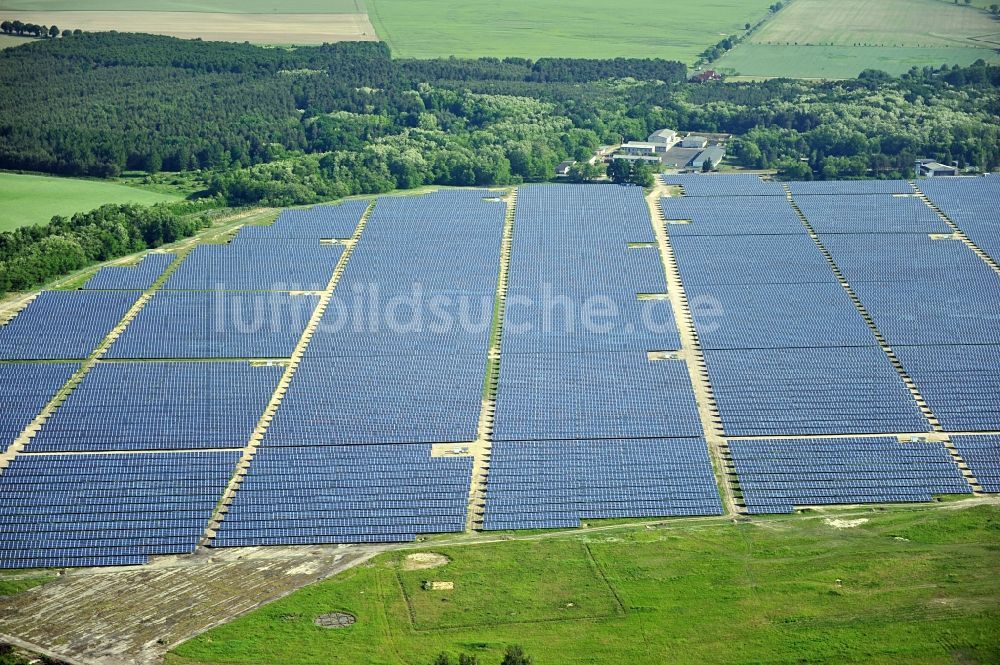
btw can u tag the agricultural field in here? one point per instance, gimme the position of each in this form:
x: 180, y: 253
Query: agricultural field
x: 224, y: 27
x: 817, y: 39
x: 426, y: 29
x: 212, y: 6
x: 33, y: 199
x: 873, y: 586
x: 555, y: 28
x: 840, y: 62
x: 10, y: 41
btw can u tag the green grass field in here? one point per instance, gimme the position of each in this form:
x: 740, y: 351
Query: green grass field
x: 913, y: 586
x: 8, y: 587
x: 559, y: 28
x: 9, y: 41
x: 838, y: 62
x: 32, y: 199
x: 821, y: 39
x: 925, y: 23
x: 228, y: 6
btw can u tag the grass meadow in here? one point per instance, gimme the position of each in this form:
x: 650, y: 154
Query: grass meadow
x: 840, y: 62
x: 231, y: 6
x: 901, y: 585
x: 33, y: 199
x: 821, y: 39
x: 558, y: 28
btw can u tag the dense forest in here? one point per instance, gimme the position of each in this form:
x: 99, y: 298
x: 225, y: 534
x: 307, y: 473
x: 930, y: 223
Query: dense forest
x: 288, y: 126
x: 281, y: 127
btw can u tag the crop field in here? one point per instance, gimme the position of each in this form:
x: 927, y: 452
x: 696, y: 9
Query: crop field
x: 816, y: 39
x: 896, y: 586
x: 211, y: 6
x: 557, y: 28
x: 232, y: 27
x: 430, y: 28
x: 883, y: 23
x: 32, y: 199
x: 10, y: 41
x: 841, y: 62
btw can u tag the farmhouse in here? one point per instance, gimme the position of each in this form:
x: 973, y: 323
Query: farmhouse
x: 641, y: 148
x: 564, y: 167
x: 663, y: 137
x: 694, y: 142
x: 706, y: 76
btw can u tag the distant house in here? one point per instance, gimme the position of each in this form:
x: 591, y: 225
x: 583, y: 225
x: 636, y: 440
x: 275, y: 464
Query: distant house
x: 694, y: 142
x: 564, y: 167
x: 711, y: 156
x: 928, y: 168
x: 641, y: 148
x: 665, y: 138
x: 706, y: 76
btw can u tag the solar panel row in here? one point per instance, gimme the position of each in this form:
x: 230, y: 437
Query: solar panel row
x: 777, y: 475
x: 727, y: 184
x: 304, y: 495
x: 63, y: 325
x: 973, y: 204
x: 317, y: 222
x: 982, y: 454
x: 218, y: 324
x: 51, y: 514
x: 158, y: 406
x: 132, y: 278
x: 553, y: 484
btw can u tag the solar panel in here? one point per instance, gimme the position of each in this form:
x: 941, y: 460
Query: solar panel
x: 258, y: 265
x: 155, y: 406
x: 811, y: 391
x: 982, y: 454
x: 63, y: 325
x: 46, y: 507
x: 24, y: 391
x: 134, y: 278
x: 216, y: 324
x: 777, y: 475
x: 555, y: 484
x: 317, y: 222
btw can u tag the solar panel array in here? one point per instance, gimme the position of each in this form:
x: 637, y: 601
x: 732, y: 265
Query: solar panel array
x: 850, y: 188
x: 553, y: 484
x: 777, y: 475
x: 132, y: 278
x: 973, y: 204
x: 848, y: 390
x: 380, y: 399
x: 219, y: 324
x: 725, y: 184
x: 288, y: 264
x: 730, y: 216
x: 982, y: 454
x: 25, y: 389
x: 593, y: 396
x: 586, y: 426
x: 107, y: 510
x: 160, y: 406
x: 347, y: 457
x: 421, y: 281
x: 960, y: 383
x: 870, y: 214
x: 318, y: 222
x: 63, y: 325
x: 347, y: 494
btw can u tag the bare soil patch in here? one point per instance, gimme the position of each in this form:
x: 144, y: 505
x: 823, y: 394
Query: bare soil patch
x: 424, y: 561
x: 256, y: 28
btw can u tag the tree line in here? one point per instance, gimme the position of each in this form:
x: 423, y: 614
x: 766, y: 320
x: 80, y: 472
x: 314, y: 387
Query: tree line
x: 34, y: 30
x: 33, y: 255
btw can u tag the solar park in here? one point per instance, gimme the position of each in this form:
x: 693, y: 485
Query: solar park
x: 375, y: 371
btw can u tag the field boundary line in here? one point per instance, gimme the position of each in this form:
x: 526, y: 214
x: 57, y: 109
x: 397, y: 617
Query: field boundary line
x: 690, y: 353
x: 257, y: 436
